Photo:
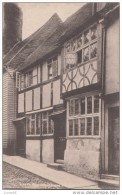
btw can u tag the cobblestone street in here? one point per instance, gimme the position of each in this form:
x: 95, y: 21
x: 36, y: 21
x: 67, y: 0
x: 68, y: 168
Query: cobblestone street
x: 15, y: 178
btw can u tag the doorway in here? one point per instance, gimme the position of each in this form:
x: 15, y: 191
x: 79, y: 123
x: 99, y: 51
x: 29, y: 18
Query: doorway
x: 20, y: 139
x: 114, y: 141
x: 59, y: 136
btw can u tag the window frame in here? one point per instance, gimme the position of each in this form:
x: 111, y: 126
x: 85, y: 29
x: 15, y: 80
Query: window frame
x: 28, y: 78
x: 48, y: 120
x: 81, y: 48
x: 50, y: 64
x: 84, y: 116
x: 40, y: 117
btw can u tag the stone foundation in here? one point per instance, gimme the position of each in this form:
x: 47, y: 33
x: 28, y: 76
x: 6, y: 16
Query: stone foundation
x: 82, y: 157
x: 33, y: 150
x: 48, y: 151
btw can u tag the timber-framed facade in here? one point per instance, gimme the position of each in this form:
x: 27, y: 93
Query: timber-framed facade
x: 66, y: 92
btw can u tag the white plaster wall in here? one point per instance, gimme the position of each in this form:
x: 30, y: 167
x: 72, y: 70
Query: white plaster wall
x: 59, y: 65
x: 39, y: 74
x: 28, y: 100
x: 48, y: 151
x: 21, y: 102
x: 46, y: 95
x: 44, y: 72
x: 33, y: 150
x: 82, y: 156
x: 112, y: 58
x: 56, y: 93
x: 37, y: 98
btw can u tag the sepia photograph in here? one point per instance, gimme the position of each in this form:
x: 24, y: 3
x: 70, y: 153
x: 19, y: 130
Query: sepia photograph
x: 61, y: 96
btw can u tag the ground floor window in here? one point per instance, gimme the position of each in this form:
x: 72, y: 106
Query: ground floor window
x: 84, y: 116
x: 39, y: 123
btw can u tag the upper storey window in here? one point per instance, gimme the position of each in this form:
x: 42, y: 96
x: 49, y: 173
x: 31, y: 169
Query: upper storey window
x: 81, y: 49
x: 52, y: 65
x: 28, y: 79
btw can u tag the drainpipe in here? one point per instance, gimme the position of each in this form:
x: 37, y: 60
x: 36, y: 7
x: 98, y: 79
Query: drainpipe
x: 102, y: 143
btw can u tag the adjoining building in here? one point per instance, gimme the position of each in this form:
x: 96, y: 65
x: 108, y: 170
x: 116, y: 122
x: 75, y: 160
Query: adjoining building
x: 67, y: 92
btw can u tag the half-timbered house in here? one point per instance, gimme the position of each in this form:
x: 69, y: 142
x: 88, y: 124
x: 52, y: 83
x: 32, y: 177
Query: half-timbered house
x: 67, y: 92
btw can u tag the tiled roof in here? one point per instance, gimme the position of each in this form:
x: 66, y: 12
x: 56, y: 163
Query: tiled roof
x: 75, y: 21
x: 22, y: 50
x: 50, y: 37
x: 45, y: 48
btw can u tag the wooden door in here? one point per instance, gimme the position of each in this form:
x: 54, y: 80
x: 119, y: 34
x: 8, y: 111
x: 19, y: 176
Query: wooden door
x: 59, y: 136
x: 114, y: 141
x: 20, y: 139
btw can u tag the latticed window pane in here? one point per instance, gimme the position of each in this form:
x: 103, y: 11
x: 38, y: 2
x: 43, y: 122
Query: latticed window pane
x: 51, y: 127
x: 76, y: 106
x: 44, y: 115
x: 71, y: 107
x: 93, y: 50
x: 96, y: 104
x: 82, y: 126
x: 44, y: 127
x: 79, y: 54
x: 32, y: 127
x: 79, y: 42
x: 96, y: 125
x: 89, y: 105
x: 70, y: 127
x: 34, y: 80
x: 83, y: 105
x: 76, y: 127
x: 86, y: 37
x: 68, y: 47
x: 93, y: 32
x: 89, y: 126
x: 22, y: 82
x: 49, y: 71
x: 29, y: 79
x: 38, y: 124
x: 86, y: 54
x: 55, y: 68
x: 73, y: 45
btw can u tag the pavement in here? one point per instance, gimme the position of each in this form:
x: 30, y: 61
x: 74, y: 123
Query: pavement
x: 62, y: 178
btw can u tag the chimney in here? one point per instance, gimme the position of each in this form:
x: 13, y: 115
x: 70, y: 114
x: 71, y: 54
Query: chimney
x: 12, y: 26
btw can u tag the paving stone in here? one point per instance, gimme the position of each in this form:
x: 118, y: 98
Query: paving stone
x: 16, y: 178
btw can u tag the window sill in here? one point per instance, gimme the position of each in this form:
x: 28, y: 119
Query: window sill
x: 84, y: 137
x: 32, y: 137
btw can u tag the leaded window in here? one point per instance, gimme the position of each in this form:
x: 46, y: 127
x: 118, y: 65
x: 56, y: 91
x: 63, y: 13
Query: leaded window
x: 52, y: 65
x: 40, y: 123
x: 81, y: 49
x: 84, y: 116
x: 74, y: 107
x: 47, y: 124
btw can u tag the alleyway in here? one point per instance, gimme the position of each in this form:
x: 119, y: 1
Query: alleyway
x: 16, y: 178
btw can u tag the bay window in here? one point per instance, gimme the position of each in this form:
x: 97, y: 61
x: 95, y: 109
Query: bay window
x: 84, y: 116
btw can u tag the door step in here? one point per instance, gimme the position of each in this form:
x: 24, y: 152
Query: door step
x: 56, y: 166
x: 110, y: 177
x: 60, y: 161
x: 109, y: 182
